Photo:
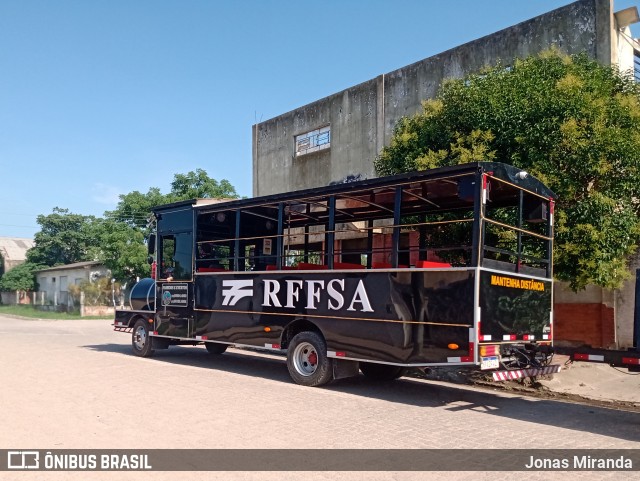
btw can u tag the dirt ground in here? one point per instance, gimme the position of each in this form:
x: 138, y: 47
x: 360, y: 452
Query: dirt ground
x: 581, y: 382
x: 597, y: 382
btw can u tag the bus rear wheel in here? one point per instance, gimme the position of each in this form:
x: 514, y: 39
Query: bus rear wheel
x: 140, y: 340
x: 215, y: 348
x: 381, y: 372
x: 307, y: 360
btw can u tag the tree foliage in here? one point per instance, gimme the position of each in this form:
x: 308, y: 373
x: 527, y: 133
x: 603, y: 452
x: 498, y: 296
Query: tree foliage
x: 20, y: 278
x: 567, y: 120
x: 117, y: 240
x: 64, y: 238
x: 124, y: 230
x: 135, y: 207
x: 198, y: 185
x: 122, y: 249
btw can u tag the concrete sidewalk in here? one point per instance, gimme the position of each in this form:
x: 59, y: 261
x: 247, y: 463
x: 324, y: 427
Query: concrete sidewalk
x: 582, y: 382
x: 594, y: 381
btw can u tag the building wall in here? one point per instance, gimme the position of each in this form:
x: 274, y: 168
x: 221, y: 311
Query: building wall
x: 596, y: 316
x: 13, y: 252
x: 53, y: 285
x: 625, y: 300
x: 362, y: 117
x: 354, y: 120
x: 590, y: 324
x: 16, y: 297
x: 584, y: 317
x: 627, y: 46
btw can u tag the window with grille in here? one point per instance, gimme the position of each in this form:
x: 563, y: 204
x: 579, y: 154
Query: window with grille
x: 313, y: 141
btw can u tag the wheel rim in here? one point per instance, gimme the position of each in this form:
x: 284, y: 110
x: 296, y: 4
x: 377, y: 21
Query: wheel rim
x: 305, y: 359
x: 140, y: 338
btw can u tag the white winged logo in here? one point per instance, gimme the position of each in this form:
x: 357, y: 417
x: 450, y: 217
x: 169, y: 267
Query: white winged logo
x: 234, y: 290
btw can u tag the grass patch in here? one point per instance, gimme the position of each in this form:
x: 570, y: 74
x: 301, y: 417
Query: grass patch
x: 32, y: 312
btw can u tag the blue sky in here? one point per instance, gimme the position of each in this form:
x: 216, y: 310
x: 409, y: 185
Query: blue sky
x: 100, y: 98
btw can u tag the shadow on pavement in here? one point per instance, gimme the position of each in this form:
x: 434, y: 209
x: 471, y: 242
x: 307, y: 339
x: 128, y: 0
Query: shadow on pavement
x: 423, y: 393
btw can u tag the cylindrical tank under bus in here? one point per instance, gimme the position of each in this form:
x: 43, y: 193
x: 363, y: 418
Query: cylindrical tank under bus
x: 143, y: 295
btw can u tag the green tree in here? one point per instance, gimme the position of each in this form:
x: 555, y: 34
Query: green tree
x: 20, y: 278
x: 123, y: 232
x: 118, y: 239
x: 64, y: 238
x: 122, y: 249
x: 198, y: 185
x: 567, y: 120
x: 135, y: 207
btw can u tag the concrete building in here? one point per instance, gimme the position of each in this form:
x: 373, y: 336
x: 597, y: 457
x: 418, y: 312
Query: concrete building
x: 13, y: 252
x: 339, y: 136
x: 54, y: 282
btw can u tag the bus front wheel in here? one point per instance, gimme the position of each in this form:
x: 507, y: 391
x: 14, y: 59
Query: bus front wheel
x: 307, y: 360
x: 140, y: 340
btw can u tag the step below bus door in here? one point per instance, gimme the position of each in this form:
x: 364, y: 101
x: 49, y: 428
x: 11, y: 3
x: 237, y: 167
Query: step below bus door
x: 175, y: 314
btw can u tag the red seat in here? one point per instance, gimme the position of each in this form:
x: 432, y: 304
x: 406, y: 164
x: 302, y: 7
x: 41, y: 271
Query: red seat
x: 273, y: 267
x: 306, y: 266
x: 212, y: 269
x: 381, y: 265
x: 431, y: 264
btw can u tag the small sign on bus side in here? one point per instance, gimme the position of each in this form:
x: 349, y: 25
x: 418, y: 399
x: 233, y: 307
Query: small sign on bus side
x: 175, y: 294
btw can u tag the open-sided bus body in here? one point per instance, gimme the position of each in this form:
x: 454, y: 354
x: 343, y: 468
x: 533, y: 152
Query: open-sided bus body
x: 451, y: 266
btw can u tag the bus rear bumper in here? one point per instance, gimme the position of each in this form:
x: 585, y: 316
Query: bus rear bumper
x: 522, y: 373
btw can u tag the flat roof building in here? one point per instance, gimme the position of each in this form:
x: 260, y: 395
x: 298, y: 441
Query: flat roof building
x: 338, y: 137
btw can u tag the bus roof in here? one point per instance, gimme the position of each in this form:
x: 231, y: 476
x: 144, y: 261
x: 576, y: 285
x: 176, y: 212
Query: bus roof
x: 499, y: 170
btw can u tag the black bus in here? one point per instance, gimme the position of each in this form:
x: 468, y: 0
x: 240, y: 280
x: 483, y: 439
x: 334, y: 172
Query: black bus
x: 445, y: 267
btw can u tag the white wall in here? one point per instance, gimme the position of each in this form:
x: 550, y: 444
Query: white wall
x: 57, y: 291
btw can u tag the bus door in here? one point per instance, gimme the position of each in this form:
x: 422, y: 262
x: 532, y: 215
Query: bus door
x: 174, y: 291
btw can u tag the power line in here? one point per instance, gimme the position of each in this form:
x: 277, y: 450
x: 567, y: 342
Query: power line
x: 14, y: 225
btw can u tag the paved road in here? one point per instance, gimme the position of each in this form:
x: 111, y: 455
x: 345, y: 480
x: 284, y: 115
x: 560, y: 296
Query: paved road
x: 74, y: 384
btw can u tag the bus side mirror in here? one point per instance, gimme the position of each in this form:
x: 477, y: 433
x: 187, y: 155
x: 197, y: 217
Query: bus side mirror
x: 150, y: 260
x: 151, y: 245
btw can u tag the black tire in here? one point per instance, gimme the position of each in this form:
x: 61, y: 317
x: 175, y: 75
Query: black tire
x: 381, y: 372
x: 140, y: 341
x: 215, y: 348
x: 307, y: 360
